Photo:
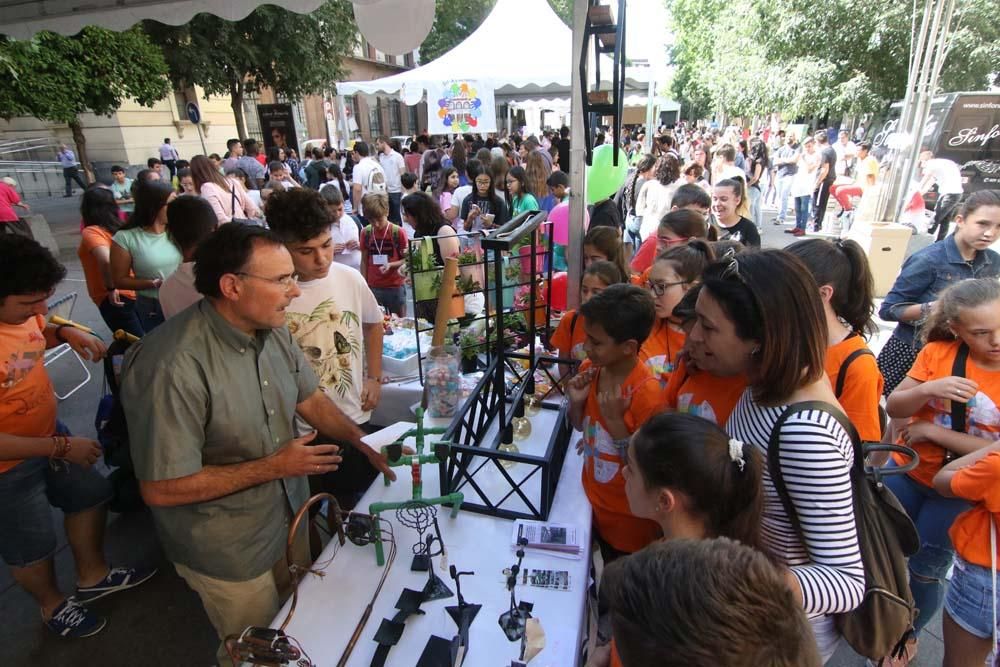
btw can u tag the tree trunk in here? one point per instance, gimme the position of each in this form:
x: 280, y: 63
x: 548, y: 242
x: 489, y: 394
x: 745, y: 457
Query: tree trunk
x: 81, y: 150
x: 236, y: 97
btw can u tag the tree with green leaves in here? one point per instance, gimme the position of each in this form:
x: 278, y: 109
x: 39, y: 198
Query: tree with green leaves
x: 292, y: 54
x: 457, y: 19
x: 802, y: 57
x: 57, y: 78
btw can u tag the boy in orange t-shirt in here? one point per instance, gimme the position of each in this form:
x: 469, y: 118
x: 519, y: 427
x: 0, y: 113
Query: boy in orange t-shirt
x: 969, y: 601
x: 38, y: 465
x: 612, y: 395
x: 569, y: 336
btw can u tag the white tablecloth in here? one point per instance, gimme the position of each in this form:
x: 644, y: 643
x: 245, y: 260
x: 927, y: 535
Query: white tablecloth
x: 329, y: 608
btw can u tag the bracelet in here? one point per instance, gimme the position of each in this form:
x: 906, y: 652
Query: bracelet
x: 59, y: 334
x: 61, y: 447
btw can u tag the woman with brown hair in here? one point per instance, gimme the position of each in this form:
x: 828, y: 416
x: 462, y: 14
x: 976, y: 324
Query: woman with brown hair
x: 536, y: 173
x: 761, y: 314
x: 228, y: 199
x: 657, y: 194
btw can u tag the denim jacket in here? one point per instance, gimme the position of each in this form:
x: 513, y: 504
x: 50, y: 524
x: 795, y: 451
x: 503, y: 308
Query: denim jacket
x: 926, y: 273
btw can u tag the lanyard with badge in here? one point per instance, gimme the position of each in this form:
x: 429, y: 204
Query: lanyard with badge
x: 380, y: 258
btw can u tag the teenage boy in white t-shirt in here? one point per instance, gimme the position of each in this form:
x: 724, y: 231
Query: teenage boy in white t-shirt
x: 337, y: 323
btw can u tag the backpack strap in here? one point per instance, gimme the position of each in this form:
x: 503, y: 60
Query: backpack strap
x: 842, y: 373
x: 958, y: 408
x: 774, y: 450
x: 572, y: 323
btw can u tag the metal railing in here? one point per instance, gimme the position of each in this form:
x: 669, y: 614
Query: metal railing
x: 34, y: 178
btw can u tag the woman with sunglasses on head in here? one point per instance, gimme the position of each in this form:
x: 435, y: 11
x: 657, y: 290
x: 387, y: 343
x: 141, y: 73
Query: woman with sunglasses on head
x: 760, y: 314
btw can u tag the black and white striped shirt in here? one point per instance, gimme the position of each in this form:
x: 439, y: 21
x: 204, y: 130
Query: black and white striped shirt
x: 816, y: 457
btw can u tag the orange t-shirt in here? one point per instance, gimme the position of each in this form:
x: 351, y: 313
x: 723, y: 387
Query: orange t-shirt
x: 702, y: 394
x: 645, y: 255
x: 95, y: 236
x: 970, y: 533
x: 569, y: 336
x: 640, y: 279
x: 660, y: 350
x: 27, y: 401
x: 602, y: 479
x: 862, y: 386
x: 982, y: 415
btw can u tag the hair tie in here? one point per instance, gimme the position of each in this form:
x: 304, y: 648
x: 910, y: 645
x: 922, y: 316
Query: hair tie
x: 736, y: 453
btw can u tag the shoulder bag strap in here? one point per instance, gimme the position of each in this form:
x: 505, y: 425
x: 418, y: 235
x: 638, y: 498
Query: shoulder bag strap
x: 572, y: 324
x: 774, y: 447
x: 842, y: 373
x: 958, y: 370
x: 232, y: 201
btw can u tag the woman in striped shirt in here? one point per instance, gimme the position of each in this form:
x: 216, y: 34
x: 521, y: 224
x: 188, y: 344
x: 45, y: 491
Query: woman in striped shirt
x: 760, y: 314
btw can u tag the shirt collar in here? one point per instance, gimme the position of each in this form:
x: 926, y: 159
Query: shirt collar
x: 229, y: 334
x: 955, y: 257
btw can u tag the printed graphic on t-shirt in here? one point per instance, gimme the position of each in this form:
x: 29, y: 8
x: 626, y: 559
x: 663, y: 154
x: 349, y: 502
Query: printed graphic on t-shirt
x: 982, y: 415
x: 598, y: 447
x: 329, y: 340
x: 703, y: 409
x: 661, y: 367
x: 577, y: 352
x: 21, y: 361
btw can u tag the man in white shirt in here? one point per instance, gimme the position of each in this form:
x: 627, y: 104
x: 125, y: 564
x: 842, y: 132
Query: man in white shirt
x: 948, y: 177
x: 169, y: 157
x: 338, y: 324
x: 190, y: 220
x: 394, y: 167
x: 846, y: 151
x: 368, y: 176
x: 343, y: 230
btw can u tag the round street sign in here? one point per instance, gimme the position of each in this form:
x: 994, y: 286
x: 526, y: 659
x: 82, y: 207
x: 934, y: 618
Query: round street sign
x: 193, y: 113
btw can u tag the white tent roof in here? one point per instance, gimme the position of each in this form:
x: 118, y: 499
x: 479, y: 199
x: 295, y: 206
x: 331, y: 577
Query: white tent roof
x: 522, y: 49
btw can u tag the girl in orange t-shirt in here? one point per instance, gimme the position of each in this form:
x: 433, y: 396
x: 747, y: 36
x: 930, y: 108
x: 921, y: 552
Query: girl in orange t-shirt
x: 569, y: 335
x: 687, y: 475
x: 972, y: 594
x: 967, y: 315
x: 847, y: 288
x: 671, y: 276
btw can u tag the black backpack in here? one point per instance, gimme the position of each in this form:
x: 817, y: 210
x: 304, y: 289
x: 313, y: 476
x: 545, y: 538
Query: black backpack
x: 112, y: 433
x: 881, y: 625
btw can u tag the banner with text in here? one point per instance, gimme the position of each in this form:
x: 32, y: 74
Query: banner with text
x: 461, y: 105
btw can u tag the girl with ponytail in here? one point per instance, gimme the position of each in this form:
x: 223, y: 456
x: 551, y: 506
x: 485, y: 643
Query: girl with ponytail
x: 847, y: 289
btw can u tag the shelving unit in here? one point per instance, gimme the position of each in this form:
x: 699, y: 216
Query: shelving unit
x: 607, y: 37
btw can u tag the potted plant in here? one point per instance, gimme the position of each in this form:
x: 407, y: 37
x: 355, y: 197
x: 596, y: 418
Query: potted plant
x: 522, y: 300
x: 426, y: 280
x: 467, y: 284
x: 471, y: 343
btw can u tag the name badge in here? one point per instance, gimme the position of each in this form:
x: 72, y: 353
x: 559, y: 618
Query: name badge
x: 380, y: 260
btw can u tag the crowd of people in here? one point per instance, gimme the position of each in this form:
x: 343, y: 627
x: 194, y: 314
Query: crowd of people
x: 269, y: 276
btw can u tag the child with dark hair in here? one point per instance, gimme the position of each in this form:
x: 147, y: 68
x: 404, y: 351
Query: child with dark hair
x: 409, y: 183
x: 610, y: 398
x: 847, y: 289
x: 558, y: 184
x: 190, y: 220
x: 674, y: 598
x: 569, y: 336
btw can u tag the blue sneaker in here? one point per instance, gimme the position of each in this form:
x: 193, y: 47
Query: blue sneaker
x: 73, y: 620
x: 118, y: 579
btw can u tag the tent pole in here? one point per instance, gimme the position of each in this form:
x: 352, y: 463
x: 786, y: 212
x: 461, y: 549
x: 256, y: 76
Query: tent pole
x: 647, y: 141
x: 345, y: 132
x: 577, y: 174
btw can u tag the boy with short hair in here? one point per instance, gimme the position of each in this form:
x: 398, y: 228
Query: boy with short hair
x: 672, y: 599
x: 383, y: 251
x: 338, y: 324
x: 409, y: 182
x: 121, y: 188
x: 190, y: 220
x: 611, y: 396
x: 558, y: 182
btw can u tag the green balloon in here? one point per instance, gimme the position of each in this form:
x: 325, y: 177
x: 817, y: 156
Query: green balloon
x: 603, y: 178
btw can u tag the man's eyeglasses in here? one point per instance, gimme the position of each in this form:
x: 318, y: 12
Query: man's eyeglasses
x: 287, y: 282
x: 658, y: 288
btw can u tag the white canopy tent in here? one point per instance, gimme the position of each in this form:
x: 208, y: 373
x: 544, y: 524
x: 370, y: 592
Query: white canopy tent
x: 523, y: 49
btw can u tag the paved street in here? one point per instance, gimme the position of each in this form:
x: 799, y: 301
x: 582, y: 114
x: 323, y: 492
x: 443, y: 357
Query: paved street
x: 162, y: 623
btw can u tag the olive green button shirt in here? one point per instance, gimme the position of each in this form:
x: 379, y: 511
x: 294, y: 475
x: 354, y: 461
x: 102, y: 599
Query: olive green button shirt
x: 198, y: 392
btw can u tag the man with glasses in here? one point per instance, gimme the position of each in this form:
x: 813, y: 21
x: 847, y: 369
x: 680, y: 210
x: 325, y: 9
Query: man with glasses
x: 210, y: 398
